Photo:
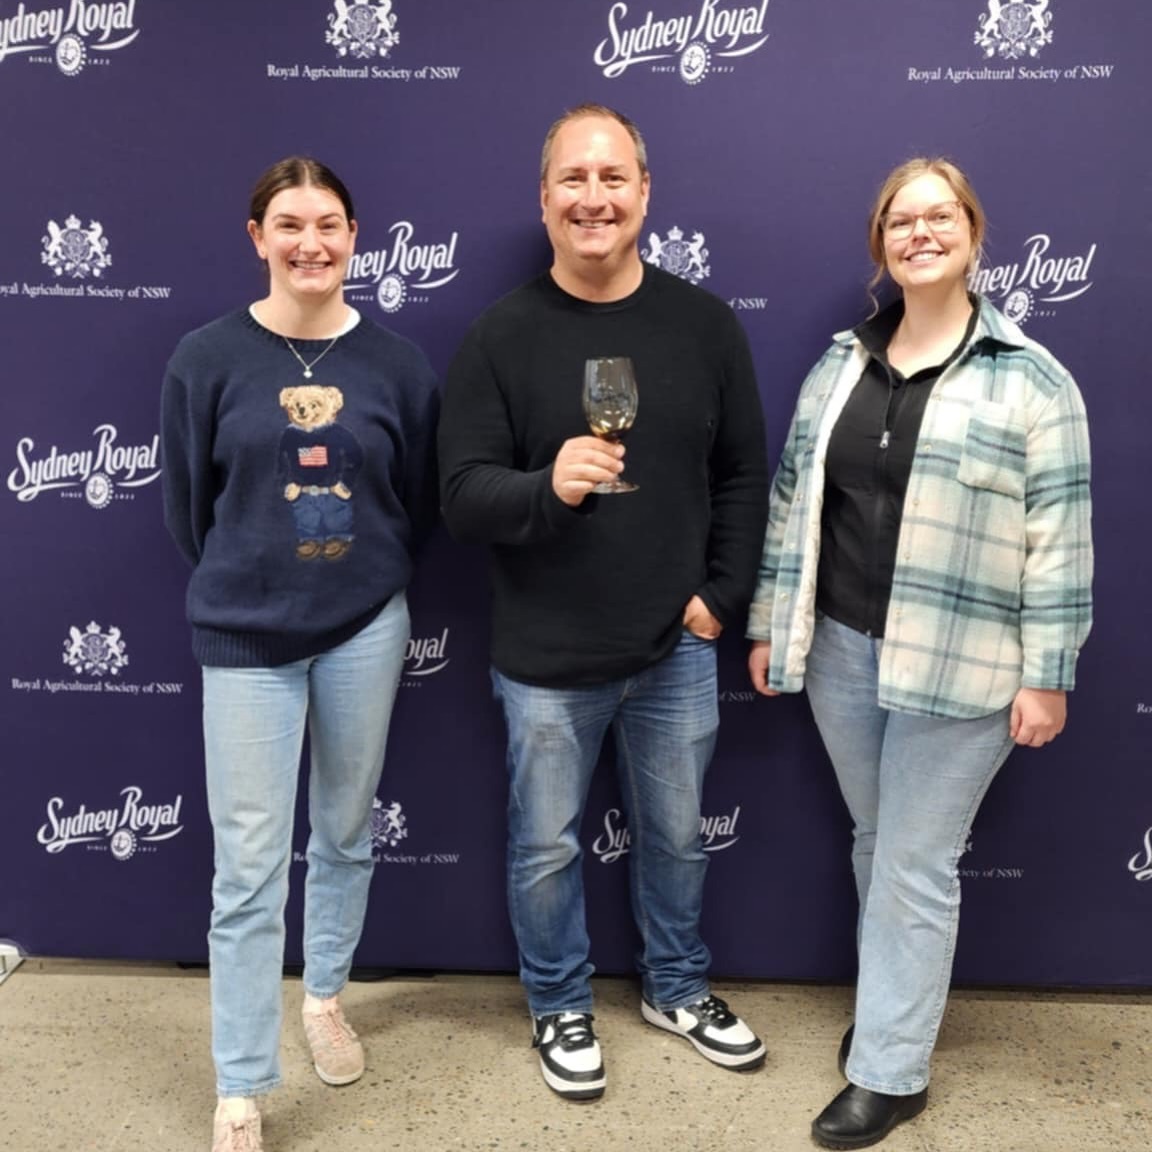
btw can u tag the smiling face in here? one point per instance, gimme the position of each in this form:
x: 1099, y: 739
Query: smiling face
x: 594, y: 197
x: 928, y: 259
x: 307, y: 240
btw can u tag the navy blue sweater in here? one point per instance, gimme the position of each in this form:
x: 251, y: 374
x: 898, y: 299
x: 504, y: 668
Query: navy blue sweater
x: 298, y: 502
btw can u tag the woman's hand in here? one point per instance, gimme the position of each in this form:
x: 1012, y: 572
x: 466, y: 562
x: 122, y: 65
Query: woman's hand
x: 1038, y: 715
x: 759, y: 658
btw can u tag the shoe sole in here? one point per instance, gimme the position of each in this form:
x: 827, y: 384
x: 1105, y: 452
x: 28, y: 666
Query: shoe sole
x: 733, y: 1061
x: 581, y: 1091
x: 842, y: 1145
x: 337, y: 1081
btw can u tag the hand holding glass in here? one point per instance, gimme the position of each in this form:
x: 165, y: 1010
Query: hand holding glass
x: 610, y: 402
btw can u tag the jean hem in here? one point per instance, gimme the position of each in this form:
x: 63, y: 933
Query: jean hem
x: 903, y: 1088
x: 581, y: 1009
x: 681, y: 1001
x: 324, y: 995
x: 248, y: 1090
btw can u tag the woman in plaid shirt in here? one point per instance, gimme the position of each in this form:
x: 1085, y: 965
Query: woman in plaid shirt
x: 926, y: 578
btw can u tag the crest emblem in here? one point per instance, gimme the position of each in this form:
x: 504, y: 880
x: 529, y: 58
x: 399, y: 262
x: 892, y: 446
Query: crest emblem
x: 695, y: 61
x: 681, y: 257
x: 71, y: 55
x: 389, y: 825
x: 391, y: 292
x: 75, y: 251
x: 1017, y: 305
x: 1013, y: 28
x: 362, y: 29
x: 98, y: 490
x: 123, y: 844
x: 95, y: 652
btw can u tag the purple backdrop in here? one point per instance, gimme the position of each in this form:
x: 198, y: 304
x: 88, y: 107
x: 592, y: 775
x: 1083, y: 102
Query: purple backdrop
x: 132, y: 132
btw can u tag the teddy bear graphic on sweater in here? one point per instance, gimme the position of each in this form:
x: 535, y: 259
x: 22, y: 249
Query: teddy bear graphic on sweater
x: 318, y: 462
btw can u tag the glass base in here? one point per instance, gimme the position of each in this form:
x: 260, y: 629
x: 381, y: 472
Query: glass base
x: 607, y: 487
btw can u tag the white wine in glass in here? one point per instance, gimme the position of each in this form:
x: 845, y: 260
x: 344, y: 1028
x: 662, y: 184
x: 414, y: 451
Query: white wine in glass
x: 610, y: 402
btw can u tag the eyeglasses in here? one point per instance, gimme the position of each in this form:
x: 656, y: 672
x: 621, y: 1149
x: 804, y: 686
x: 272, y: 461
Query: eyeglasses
x: 939, y: 218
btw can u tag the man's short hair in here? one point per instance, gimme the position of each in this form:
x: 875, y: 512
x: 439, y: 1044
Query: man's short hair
x: 580, y: 112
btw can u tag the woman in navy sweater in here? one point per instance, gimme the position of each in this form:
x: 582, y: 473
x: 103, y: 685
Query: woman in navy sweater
x: 298, y: 476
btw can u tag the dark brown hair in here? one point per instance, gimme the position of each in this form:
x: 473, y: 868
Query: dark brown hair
x: 297, y: 172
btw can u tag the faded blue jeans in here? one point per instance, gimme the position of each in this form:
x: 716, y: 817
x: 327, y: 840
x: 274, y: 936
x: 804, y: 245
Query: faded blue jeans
x: 912, y: 785
x: 254, y: 720
x: 664, y: 722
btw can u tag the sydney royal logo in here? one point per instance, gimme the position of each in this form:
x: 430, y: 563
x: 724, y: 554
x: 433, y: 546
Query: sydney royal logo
x: 683, y: 258
x: 1029, y: 287
x: 362, y: 29
x: 691, y: 46
x: 1014, y: 28
x: 69, y: 36
x: 402, y: 272
x: 99, y: 474
x: 74, y: 251
x: 95, y: 652
x: 122, y: 830
x: 716, y: 834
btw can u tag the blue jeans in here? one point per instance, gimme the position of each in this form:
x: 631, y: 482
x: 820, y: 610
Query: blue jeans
x: 322, y: 517
x: 912, y: 785
x: 664, y: 722
x: 254, y: 721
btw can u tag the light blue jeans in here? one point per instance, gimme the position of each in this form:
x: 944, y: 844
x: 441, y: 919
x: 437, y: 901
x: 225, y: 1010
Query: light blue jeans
x: 254, y: 720
x: 664, y: 722
x: 912, y: 785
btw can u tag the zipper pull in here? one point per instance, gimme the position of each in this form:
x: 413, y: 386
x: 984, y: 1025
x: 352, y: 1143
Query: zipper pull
x: 884, y: 440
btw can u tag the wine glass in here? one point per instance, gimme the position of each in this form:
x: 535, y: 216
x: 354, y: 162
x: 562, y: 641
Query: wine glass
x: 610, y: 402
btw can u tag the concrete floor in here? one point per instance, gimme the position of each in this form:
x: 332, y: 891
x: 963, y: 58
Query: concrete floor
x: 112, y: 1058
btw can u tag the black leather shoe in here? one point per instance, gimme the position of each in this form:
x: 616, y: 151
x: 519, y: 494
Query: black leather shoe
x: 845, y: 1049
x: 858, y: 1117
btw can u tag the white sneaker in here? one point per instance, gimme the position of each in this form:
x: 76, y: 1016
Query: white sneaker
x: 713, y: 1030
x: 570, y: 1058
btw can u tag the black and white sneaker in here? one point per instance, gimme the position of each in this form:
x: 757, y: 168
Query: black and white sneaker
x: 569, y: 1055
x: 713, y: 1030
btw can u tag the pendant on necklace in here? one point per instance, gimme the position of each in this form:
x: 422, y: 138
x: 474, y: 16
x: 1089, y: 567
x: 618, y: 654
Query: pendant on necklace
x: 304, y: 363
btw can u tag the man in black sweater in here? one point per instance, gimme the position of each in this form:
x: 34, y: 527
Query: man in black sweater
x: 606, y: 607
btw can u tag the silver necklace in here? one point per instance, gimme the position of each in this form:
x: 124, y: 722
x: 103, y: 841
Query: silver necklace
x: 304, y: 363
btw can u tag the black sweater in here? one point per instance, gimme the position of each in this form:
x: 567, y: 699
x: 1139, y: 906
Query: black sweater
x: 586, y: 595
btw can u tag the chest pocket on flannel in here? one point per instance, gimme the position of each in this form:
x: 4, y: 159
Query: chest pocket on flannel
x: 995, y: 450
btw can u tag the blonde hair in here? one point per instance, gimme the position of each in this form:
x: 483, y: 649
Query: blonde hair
x: 904, y: 174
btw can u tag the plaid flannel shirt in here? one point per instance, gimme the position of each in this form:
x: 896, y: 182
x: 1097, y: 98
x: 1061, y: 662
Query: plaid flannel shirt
x: 993, y: 579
